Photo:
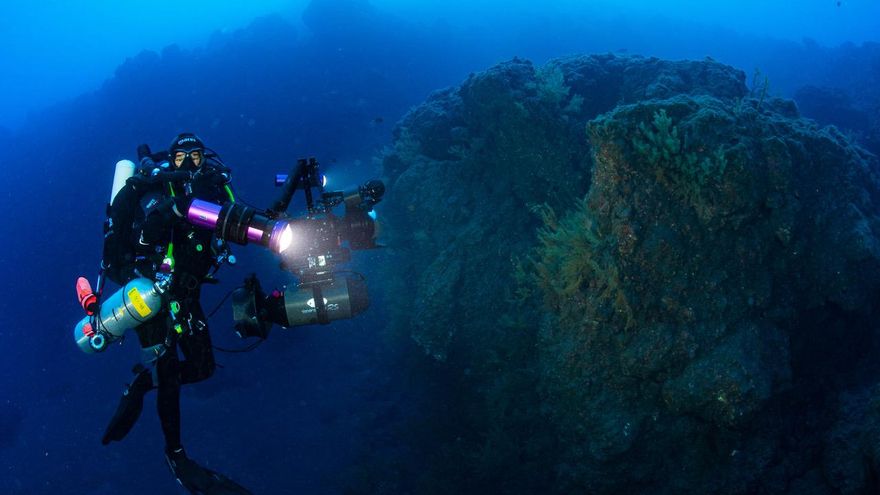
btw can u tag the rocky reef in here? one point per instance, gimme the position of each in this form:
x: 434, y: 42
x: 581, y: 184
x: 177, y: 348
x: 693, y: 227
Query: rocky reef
x: 632, y: 275
x: 846, y: 92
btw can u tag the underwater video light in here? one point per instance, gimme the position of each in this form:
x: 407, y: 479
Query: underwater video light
x: 235, y: 222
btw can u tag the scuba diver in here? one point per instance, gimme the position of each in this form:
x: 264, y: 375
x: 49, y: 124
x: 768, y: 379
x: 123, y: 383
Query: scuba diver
x: 168, y: 225
x: 148, y: 237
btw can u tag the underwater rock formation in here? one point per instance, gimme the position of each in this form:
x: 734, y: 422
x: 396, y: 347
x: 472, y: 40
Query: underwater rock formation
x: 635, y: 278
x: 831, y: 106
x: 846, y: 92
x: 473, y: 160
x: 834, y: 106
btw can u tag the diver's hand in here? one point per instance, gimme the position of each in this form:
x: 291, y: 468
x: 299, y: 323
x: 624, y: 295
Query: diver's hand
x: 214, y: 176
x: 208, y: 183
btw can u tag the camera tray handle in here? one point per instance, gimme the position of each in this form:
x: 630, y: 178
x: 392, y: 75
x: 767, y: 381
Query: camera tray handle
x: 305, y: 174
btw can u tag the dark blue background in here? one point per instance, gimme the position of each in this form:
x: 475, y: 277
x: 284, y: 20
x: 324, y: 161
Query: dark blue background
x: 289, y: 416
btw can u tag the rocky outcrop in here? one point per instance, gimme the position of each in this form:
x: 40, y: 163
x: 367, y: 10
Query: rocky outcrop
x: 630, y: 267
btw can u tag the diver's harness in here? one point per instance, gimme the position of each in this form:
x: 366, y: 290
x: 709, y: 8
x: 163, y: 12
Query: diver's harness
x: 108, y: 326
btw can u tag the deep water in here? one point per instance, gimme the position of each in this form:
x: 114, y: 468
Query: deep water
x: 386, y: 403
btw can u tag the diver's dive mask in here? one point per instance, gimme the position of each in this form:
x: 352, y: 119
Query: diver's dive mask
x: 187, y: 152
x: 188, y: 160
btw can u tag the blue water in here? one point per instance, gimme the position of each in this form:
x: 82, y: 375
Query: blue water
x: 80, y: 93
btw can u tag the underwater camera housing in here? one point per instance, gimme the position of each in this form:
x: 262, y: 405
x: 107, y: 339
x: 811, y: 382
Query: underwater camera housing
x: 312, y: 247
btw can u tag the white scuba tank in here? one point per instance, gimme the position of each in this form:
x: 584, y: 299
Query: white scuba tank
x: 136, y: 302
x: 124, y: 171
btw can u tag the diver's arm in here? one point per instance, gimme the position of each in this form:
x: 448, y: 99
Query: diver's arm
x: 152, y: 164
x: 213, y: 184
x: 223, y: 182
x: 157, y: 227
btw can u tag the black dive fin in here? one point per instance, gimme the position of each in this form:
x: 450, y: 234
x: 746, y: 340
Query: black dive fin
x: 130, y: 406
x: 199, y: 480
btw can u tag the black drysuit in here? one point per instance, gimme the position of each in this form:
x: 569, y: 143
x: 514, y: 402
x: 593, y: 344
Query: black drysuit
x: 144, y: 224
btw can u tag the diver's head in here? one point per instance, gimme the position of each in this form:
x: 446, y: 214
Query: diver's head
x: 187, y: 152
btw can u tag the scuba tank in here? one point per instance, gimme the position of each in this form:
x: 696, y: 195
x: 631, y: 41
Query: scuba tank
x: 124, y: 171
x: 136, y: 302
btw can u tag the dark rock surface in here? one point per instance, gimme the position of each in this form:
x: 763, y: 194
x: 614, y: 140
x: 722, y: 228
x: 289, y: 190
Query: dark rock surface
x: 686, y: 322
